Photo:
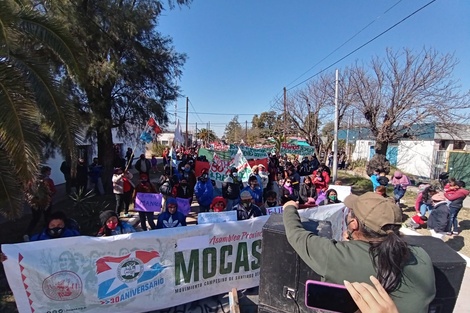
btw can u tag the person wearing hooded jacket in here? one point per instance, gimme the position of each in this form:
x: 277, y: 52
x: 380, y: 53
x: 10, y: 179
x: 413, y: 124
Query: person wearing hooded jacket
x: 204, y: 191
x: 111, y: 225
x: 57, y: 226
x: 171, y: 217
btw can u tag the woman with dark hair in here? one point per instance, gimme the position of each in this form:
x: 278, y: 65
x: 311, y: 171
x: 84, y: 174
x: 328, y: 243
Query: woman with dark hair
x: 308, y: 193
x: 423, y: 202
x: 288, y: 192
x: 372, y: 246
x: 331, y: 197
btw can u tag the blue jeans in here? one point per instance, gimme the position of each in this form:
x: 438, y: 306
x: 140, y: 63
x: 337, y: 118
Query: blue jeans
x: 424, y: 208
x: 453, y: 223
x: 398, y: 193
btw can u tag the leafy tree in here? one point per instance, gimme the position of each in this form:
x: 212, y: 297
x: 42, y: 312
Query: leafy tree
x: 206, y: 135
x: 269, y: 124
x: 402, y: 93
x: 234, y: 131
x: 34, y: 48
x: 131, y: 69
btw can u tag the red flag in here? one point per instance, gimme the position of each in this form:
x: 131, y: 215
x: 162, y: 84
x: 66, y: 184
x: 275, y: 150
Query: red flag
x: 152, y: 123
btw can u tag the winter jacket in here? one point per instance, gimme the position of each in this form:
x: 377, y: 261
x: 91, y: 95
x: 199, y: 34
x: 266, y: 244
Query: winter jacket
x: 230, y: 189
x: 307, y: 191
x: 204, y: 192
x: 439, y: 217
x: 167, y: 220
x: 456, y: 197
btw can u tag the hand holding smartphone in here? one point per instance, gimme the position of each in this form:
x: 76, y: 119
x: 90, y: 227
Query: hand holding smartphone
x: 329, y: 297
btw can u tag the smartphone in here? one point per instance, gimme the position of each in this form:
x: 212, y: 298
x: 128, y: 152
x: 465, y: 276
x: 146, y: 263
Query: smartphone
x: 329, y: 297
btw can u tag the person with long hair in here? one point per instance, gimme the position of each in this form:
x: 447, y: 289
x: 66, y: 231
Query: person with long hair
x: 372, y: 246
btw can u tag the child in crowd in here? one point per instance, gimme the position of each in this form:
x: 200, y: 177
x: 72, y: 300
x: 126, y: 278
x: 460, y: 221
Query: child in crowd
x: 171, y: 217
x: 112, y: 225
x: 382, y: 179
x: 218, y: 204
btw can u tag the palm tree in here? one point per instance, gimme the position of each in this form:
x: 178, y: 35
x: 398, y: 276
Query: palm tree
x: 34, y: 53
x: 206, y: 135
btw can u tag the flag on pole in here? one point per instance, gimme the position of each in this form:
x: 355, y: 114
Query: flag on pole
x: 153, y: 124
x: 178, y: 133
x: 146, y: 137
x: 241, y: 164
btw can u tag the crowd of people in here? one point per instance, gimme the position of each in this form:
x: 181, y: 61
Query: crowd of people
x: 436, y: 208
x: 373, y: 221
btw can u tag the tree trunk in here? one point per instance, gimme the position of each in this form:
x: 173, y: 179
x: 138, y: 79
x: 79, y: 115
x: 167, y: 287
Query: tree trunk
x: 379, y: 160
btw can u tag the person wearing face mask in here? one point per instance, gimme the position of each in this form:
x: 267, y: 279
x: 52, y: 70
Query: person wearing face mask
x: 372, y: 246
x: 145, y: 186
x: 204, y: 191
x: 188, y: 173
x: 331, y: 197
x: 56, y: 227
x: 218, y: 204
x: 231, y: 188
x: 254, y: 189
x: 246, y: 209
x: 111, y: 225
x: 288, y: 192
x: 308, y: 193
x: 271, y: 199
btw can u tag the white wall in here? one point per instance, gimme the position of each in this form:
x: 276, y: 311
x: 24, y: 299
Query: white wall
x: 415, y: 157
x: 362, y: 149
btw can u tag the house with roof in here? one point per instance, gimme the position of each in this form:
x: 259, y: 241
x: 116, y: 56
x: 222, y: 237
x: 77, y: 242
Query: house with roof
x: 424, y: 150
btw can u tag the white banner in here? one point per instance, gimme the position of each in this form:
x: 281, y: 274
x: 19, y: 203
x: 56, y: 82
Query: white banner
x: 143, y: 271
x: 137, y: 272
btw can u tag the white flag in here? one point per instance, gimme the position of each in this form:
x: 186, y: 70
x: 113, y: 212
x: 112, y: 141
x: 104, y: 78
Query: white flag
x: 244, y: 169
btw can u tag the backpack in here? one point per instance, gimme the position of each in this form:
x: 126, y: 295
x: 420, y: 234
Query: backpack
x: 38, y: 195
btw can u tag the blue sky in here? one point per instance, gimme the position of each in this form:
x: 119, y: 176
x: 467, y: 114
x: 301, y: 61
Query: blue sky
x: 241, y: 53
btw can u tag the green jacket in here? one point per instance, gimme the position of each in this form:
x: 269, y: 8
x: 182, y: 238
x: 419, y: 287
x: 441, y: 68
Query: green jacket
x: 350, y: 260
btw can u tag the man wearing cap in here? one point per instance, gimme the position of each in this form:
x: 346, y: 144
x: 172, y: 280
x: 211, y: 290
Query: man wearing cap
x: 246, y: 209
x: 373, y: 225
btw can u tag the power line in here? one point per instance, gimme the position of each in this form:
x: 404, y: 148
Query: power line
x: 363, y: 45
x: 214, y: 113
x: 194, y: 111
x: 344, y: 43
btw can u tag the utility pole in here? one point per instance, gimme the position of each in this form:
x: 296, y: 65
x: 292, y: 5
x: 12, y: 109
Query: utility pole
x: 335, y: 142
x: 196, y: 135
x: 285, y: 110
x: 246, y: 131
x: 186, y: 138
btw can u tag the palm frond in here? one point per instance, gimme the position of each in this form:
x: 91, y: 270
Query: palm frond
x: 53, y: 35
x: 11, y: 191
x: 19, y: 122
x: 60, y: 115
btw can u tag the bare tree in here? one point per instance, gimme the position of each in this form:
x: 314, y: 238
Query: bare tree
x: 404, y: 92
x: 310, y: 108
